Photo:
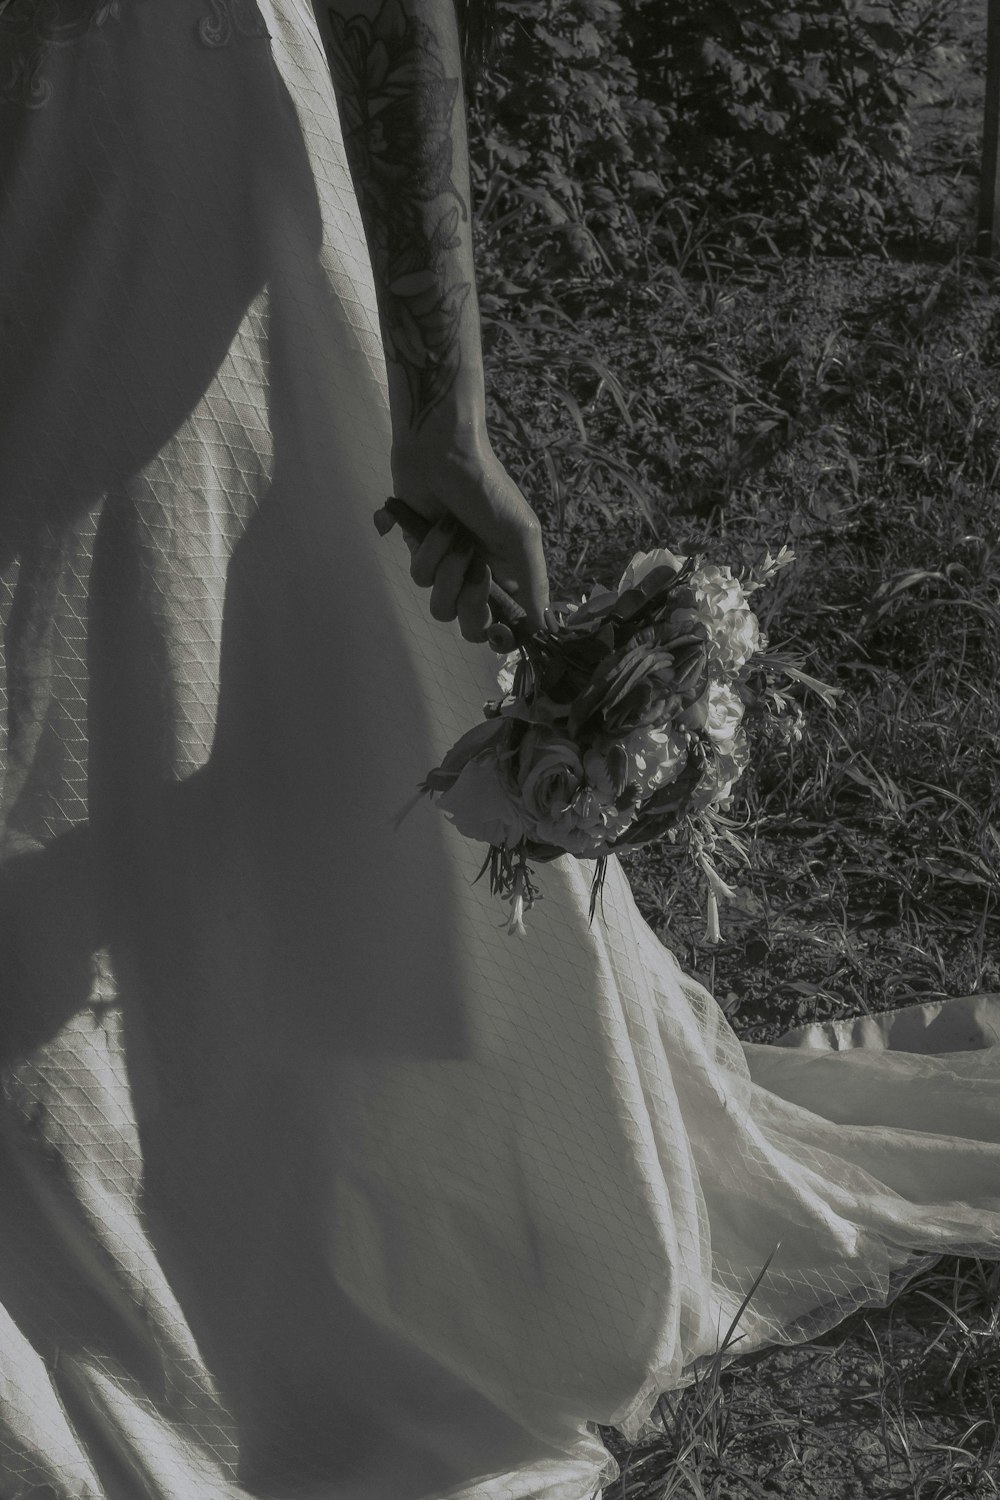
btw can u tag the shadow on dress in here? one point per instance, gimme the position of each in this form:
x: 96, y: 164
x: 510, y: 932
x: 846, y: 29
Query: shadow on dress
x: 217, y: 892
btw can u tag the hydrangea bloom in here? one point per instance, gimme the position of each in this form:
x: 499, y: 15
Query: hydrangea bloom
x: 724, y: 712
x: 638, y: 690
x: 726, y: 767
x: 721, y: 606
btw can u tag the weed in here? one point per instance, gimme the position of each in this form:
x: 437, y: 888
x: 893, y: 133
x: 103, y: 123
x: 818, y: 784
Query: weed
x: 723, y: 397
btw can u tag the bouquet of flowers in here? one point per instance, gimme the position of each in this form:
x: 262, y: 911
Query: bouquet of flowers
x: 621, y: 723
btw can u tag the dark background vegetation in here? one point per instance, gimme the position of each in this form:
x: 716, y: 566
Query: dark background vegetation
x: 731, y: 299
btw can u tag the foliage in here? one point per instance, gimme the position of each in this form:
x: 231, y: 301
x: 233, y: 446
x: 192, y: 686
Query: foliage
x: 720, y: 400
x: 599, y: 121
x: 797, y: 112
x: 851, y: 411
x: 558, y: 135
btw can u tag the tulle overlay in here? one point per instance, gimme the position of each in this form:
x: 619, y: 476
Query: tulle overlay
x: 313, y: 1182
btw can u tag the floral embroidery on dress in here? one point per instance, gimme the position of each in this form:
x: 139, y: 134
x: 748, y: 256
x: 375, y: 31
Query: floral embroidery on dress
x: 29, y: 28
x: 227, y: 16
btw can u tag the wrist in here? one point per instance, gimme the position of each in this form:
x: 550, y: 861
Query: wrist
x: 457, y: 415
x: 444, y: 434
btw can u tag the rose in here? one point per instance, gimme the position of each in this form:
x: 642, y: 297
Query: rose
x: 719, y: 712
x: 645, y: 562
x: 490, y: 736
x: 648, y: 582
x: 725, y: 712
x: 548, y: 772
x: 562, y: 807
x: 472, y: 788
x: 480, y: 806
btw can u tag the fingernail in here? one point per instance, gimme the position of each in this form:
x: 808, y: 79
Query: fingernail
x: 500, y: 637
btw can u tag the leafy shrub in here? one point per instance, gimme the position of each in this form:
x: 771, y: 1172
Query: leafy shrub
x: 559, y: 138
x: 800, y: 113
x: 601, y: 123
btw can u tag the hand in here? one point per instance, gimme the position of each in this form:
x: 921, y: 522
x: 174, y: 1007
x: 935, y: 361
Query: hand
x: 466, y: 481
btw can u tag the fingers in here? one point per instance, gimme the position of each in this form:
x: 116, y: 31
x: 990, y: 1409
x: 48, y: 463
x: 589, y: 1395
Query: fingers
x: 462, y: 589
x: 474, y: 615
x: 449, y: 581
x: 533, y: 576
x: 459, y: 580
x: 449, y: 563
x: 427, y: 556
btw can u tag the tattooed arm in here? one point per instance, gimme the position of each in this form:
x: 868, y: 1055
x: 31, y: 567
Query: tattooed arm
x: 396, y: 67
x: 397, y: 72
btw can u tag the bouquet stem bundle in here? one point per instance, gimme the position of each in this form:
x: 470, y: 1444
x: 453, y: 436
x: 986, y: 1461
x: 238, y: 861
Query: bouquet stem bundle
x: 621, y: 722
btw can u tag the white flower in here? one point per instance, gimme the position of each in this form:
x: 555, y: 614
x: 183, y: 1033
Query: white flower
x: 655, y: 757
x: 762, y: 573
x: 789, y: 728
x: 725, y: 712
x: 644, y: 562
x: 721, y: 606
x: 516, y: 927
x: 479, y: 805
x: 505, y: 672
x: 732, y: 759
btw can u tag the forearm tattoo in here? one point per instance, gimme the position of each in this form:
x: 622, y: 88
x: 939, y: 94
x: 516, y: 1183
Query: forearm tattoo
x: 398, y: 105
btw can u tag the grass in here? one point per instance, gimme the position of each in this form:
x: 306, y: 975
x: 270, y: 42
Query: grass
x: 851, y: 411
x: 850, y: 408
x: 895, y: 1403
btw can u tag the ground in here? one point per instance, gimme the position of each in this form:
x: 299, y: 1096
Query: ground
x: 850, y: 407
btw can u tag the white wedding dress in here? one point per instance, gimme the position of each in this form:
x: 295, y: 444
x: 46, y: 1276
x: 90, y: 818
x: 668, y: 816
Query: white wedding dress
x: 313, y: 1182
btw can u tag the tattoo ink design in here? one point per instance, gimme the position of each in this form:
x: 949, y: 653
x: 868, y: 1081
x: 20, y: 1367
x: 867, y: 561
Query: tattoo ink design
x: 384, y: 70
